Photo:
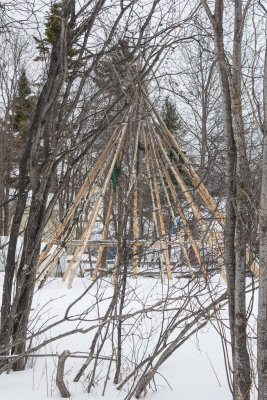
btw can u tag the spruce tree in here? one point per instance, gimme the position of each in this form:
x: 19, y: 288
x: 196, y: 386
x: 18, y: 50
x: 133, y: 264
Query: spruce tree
x: 52, y: 28
x: 172, y: 120
x: 23, y: 107
x: 170, y: 116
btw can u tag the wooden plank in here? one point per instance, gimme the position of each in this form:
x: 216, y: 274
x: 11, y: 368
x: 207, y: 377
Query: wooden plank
x: 139, y: 242
x: 111, y: 262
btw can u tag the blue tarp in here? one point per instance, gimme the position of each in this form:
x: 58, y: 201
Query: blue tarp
x: 111, y: 253
x: 179, y: 224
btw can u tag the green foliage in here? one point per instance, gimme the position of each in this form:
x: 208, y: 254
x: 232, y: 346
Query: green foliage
x: 52, y: 26
x: 172, y: 120
x: 52, y: 29
x: 170, y: 116
x: 23, y: 105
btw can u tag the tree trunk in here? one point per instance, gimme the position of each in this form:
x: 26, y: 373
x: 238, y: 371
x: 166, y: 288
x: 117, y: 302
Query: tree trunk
x: 230, y: 166
x: 29, y: 163
x: 60, y: 375
x: 241, y: 357
x: 262, y: 312
x: 26, y: 278
x: 122, y: 297
x: 237, y: 174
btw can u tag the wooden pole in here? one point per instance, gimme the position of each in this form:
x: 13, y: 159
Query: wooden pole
x: 135, y: 256
x: 90, y: 178
x: 157, y: 242
x: 135, y: 205
x: 184, y: 250
x: 104, y: 236
x: 209, y: 201
x: 83, y: 237
x: 174, y: 195
x: 213, y: 237
x: 159, y: 209
x: 78, y: 248
x: 105, y: 232
x: 196, y: 212
x: 58, y: 251
x: 204, y: 193
x: 192, y: 241
x: 97, y: 206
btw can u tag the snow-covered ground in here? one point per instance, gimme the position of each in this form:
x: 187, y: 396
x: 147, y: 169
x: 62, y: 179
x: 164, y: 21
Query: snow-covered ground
x: 195, y: 371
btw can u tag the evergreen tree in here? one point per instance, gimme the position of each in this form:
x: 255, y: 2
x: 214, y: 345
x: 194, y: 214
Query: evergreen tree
x: 172, y: 120
x: 52, y: 28
x: 171, y: 117
x: 23, y: 106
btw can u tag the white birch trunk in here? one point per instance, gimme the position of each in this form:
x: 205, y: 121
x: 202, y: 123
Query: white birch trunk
x: 262, y: 313
x: 236, y: 174
x: 242, y: 381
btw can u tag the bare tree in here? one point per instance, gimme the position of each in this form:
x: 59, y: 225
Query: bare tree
x: 237, y: 181
x: 262, y: 311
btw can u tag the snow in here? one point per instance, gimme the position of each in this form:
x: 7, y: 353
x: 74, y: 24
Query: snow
x: 3, y: 250
x: 195, y: 370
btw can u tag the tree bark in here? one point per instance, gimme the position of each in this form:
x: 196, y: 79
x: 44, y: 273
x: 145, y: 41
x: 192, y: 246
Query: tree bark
x: 262, y: 311
x: 230, y: 167
x: 26, y: 273
x: 237, y: 175
x: 241, y: 357
x: 60, y: 375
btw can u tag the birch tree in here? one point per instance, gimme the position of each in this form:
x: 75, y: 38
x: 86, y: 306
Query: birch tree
x: 262, y: 312
x: 237, y: 181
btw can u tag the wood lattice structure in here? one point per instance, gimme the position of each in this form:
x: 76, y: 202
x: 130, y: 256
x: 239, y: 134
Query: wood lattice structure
x: 145, y: 155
